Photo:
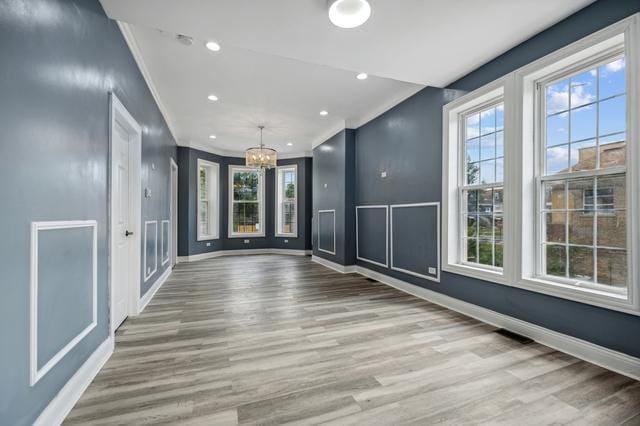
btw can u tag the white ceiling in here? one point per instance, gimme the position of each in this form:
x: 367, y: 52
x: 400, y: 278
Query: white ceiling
x: 282, y: 61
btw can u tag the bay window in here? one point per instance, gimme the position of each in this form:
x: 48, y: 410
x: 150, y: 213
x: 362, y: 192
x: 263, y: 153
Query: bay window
x: 208, y: 200
x: 286, y: 201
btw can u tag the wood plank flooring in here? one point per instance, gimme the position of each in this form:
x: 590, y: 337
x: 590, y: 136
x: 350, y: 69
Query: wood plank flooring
x: 269, y: 339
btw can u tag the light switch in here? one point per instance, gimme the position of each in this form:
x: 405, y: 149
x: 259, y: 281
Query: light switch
x: 325, y: 185
x: 246, y: 241
x: 432, y: 270
x: 383, y: 175
x: 208, y: 244
x: 286, y: 241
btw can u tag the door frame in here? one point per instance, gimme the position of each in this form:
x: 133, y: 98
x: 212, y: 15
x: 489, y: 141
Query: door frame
x: 119, y: 114
x: 173, y: 211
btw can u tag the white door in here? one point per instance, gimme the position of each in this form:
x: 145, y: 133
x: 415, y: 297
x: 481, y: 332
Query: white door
x: 120, y: 266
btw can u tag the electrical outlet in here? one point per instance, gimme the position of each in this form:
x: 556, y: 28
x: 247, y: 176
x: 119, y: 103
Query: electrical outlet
x: 432, y: 270
x: 383, y: 175
x: 208, y: 244
x: 325, y: 185
x: 246, y: 241
x: 286, y: 241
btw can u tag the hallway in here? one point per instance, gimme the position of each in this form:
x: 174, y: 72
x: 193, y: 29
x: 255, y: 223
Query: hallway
x: 271, y: 339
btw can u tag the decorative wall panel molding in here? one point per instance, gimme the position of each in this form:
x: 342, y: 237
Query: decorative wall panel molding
x: 324, y: 248
x: 166, y: 242
x: 360, y: 233
x: 150, y: 260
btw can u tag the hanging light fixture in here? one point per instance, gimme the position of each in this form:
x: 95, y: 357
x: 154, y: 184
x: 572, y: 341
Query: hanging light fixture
x: 265, y: 158
x: 349, y: 13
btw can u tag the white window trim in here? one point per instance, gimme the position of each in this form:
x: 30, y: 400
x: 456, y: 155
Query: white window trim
x: 214, y: 194
x: 582, y: 51
x: 277, y: 234
x: 453, y: 175
x: 261, y: 177
x: 519, y: 172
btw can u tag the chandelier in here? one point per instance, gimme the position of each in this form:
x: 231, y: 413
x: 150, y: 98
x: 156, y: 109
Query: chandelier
x: 261, y: 157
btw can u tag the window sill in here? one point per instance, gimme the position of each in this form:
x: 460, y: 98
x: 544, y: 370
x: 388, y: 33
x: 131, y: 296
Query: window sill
x: 261, y: 235
x: 586, y: 295
x: 207, y: 238
x: 478, y: 273
x: 286, y: 235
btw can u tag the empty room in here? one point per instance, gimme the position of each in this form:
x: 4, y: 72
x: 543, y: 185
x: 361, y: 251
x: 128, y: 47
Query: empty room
x: 304, y: 212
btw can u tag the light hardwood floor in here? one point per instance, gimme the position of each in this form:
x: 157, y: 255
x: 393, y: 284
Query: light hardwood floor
x: 278, y: 339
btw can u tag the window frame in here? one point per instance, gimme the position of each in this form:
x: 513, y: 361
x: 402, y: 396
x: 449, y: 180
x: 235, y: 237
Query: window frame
x: 521, y: 142
x: 278, y: 201
x: 214, y: 194
x: 261, y: 178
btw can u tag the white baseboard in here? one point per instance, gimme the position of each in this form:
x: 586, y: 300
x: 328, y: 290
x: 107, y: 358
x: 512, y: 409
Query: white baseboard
x: 587, y: 351
x: 61, y: 405
x: 144, y: 300
x: 335, y: 266
x: 242, y: 252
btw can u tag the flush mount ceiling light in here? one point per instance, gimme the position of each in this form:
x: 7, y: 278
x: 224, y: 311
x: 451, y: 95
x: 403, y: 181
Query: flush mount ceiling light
x: 323, y: 113
x: 213, y: 46
x: 264, y: 158
x: 349, y: 13
x: 362, y: 76
x: 212, y: 98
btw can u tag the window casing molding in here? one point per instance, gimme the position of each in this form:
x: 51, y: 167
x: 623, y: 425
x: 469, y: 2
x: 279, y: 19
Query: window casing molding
x: 212, y: 171
x: 261, y: 177
x: 521, y: 173
x: 280, y: 170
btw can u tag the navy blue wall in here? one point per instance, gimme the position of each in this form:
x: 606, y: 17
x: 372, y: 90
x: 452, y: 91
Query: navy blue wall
x: 188, y: 245
x: 60, y: 60
x: 406, y: 142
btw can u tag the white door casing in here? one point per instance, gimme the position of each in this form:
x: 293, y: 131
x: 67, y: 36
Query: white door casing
x: 173, y: 209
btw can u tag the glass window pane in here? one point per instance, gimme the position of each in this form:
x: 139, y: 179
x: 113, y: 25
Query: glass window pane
x: 485, y: 201
x: 580, y: 227
x: 581, y: 263
x: 557, y: 159
x: 488, y: 121
x: 583, y: 155
x: 473, y: 150
x: 612, y: 267
x: 488, y: 147
x: 583, y: 123
x: 611, y: 77
x: 612, y: 229
x: 558, y: 97
x: 473, y: 126
x: 499, y: 255
x: 472, y: 201
x: 485, y: 252
x: 473, y: 173
x: 613, y: 151
x: 472, y: 250
x: 245, y: 186
x: 555, y: 256
x: 500, y: 117
x: 500, y: 144
x: 499, y: 169
x: 581, y: 194
x: 558, y: 129
x: 498, y: 226
x: 485, y: 226
x: 488, y: 171
x: 555, y: 227
x: 472, y: 226
x: 203, y: 184
x: 583, y: 88
x: 498, y: 200
x: 612, y: 115
x: 554, y: 195
x: 612, y: 190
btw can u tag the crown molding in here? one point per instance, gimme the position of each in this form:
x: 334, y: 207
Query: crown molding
x: 129, y: 37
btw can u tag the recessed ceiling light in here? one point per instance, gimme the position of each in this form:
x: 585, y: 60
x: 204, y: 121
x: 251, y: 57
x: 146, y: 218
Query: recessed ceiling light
x: 212, y: 97
x: 212, y: 136
x: 362, y: 76
x: 289, y: 144
x: 213, y: 46
x: 323, y: 112
x: 349, y: 13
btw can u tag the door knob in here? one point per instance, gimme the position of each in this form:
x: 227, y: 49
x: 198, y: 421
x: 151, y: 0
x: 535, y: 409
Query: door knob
x: 127, y: 233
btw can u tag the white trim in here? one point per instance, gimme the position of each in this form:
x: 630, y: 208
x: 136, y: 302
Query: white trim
x: 261, y: 202
x: 242, y: 252
x: 35, y: 372
x: 277, y: 201
x: 398, y: 98
x: 164, y: 261
x: 173, y: 209
x: 612, y: 360
x: 325, y: 136
x: 129, y: 37
x: 150, y: 274
x: 239, y: 154
x: 119, y: 113
x: 215, y: 212
x: 334, y: 231
x: 146, y: 298
x: 60, y: 406
x: 386, y: 236
x: 335, y: 266
x: 416, y: 274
